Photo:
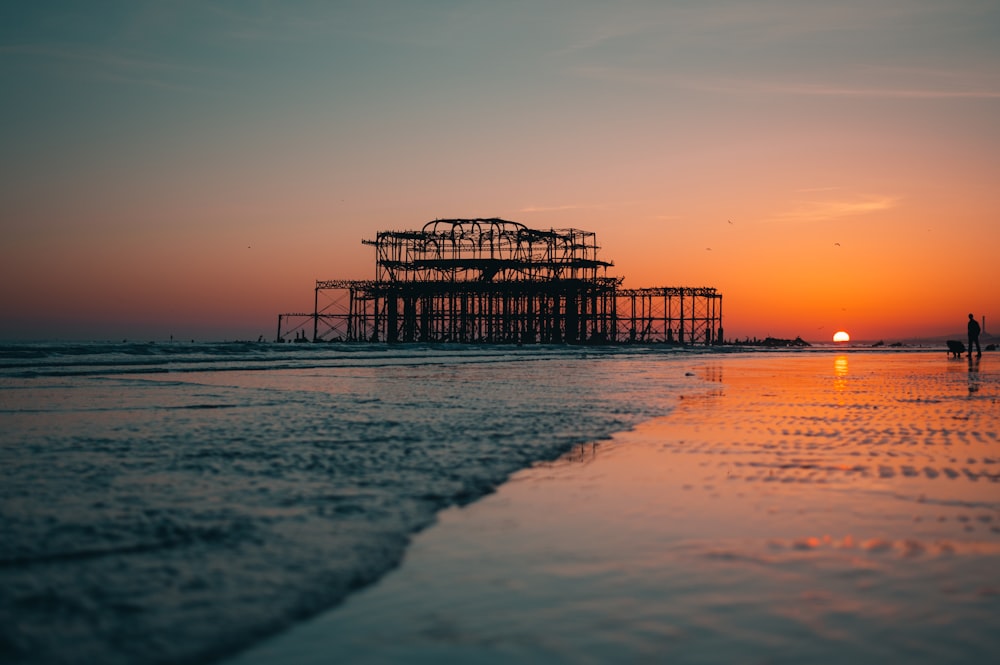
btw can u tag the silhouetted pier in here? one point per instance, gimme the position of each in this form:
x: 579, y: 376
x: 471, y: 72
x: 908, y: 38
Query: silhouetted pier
x: 497, y: 281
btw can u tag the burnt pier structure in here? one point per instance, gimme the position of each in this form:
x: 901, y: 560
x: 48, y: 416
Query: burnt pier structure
x: 495, y: 281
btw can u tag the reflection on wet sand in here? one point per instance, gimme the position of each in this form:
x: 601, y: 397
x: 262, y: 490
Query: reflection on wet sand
x: 973, y: 373
x: 840, y: 373
x: 801, y: 508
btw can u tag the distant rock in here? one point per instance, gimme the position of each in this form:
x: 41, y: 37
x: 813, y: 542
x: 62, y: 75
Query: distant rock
x: 777, y: 342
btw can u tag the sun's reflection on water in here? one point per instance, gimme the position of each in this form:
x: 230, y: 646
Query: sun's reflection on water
x: 840, y: 373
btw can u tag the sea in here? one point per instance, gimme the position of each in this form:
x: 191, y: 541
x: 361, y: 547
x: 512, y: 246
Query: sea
x: 177, y: 502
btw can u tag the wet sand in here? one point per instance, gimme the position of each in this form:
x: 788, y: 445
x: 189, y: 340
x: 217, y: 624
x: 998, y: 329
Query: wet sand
x: 793, y: 508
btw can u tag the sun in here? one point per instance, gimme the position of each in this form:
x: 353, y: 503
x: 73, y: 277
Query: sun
x: 841, y: 336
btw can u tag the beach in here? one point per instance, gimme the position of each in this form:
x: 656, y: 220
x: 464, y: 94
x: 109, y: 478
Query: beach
x: 251, y: 503
x: 818, y: 507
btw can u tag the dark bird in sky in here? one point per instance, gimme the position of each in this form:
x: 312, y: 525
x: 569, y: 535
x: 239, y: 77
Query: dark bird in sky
x: 837, y: 244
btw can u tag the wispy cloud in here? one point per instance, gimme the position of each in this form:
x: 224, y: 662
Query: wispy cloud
x: 147, y: 81
x: 126, y: 68
x: 556, y: 208
x: 277, y: 23
x: 831, y: 209
x: 831, y: 90
x: 810, y: 190
x: 956, y: 88
x: 93, y: 57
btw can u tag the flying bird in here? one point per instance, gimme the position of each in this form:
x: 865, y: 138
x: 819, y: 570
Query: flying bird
x: 837, y: 244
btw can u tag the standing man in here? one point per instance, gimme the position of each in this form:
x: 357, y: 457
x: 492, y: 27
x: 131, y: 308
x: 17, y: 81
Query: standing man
x: 974, y: 335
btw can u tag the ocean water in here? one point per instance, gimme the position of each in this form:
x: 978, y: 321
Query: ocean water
x: 174, y: 503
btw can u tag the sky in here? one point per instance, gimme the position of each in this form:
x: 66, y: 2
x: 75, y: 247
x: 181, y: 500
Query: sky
x: 192, y: 168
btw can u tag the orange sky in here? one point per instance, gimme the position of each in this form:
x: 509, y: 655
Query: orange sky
x: 191, y: 171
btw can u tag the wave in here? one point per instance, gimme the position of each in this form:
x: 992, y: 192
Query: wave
x: 33, y: 360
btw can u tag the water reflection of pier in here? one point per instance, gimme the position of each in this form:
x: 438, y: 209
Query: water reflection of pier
x: 496, y: 281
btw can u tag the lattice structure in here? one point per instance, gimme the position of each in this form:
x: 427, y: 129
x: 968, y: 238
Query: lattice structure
x: 496, y: 281
x: 672, y: 314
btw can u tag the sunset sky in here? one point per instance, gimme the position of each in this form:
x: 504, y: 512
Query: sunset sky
x: 191, y: 168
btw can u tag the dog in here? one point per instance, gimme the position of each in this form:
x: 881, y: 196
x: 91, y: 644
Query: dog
x: 955, y: 348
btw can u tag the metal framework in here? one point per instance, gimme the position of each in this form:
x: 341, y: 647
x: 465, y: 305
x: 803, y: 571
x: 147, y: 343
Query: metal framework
x: 497, y: 281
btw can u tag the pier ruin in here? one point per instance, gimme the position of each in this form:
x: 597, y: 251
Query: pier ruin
x: 494, y: 281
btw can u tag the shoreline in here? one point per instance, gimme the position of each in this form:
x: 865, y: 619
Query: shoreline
x: 800, y: 506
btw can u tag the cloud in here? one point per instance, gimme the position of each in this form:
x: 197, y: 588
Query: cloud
x: 109, y: 60
x: 954, y: 88
x: 556, y: 208
x: 810, y: 190
x: 279, y: 22
x: 830, y: 209
x: 828, y: 90
x: 126, y: 68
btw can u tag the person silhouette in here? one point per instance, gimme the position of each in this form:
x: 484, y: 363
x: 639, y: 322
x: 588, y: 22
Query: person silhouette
x: 974, y: 336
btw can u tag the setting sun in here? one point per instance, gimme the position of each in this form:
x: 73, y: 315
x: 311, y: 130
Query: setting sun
x: 841, y: 336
